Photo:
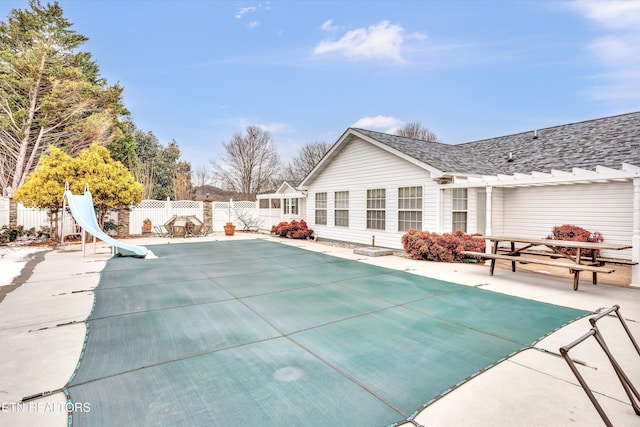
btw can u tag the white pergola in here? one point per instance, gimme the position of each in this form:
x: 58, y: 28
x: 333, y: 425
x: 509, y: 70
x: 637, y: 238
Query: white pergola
x: 601, y: 174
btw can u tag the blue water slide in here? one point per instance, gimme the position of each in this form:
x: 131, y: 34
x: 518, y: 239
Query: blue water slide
x: 83, y: 212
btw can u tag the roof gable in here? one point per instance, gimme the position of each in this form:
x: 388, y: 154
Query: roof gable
x: 287, y: 187
x: 374, y: 138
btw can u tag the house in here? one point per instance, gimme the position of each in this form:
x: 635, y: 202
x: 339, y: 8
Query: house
x: 375, y: 184
x: 286, y: 204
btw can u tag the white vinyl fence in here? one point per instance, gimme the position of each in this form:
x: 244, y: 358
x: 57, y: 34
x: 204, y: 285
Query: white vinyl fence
x: 159, y: 211
x: 4, y: 211
x: 243, y: 214
x: 30, y: 218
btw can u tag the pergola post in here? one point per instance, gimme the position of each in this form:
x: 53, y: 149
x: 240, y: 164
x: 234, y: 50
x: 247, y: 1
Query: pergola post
x: 489, y: 217
x: 635, y: 239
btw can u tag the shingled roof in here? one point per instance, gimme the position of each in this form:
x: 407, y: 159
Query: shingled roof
x: 608, y: 141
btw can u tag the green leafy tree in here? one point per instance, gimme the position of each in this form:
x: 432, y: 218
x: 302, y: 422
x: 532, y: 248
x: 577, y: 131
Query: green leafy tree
x: 50, y: 92
x: 109, y: 181
x: 161, y: 170
x: 45, y: 187
x: 123, y: 148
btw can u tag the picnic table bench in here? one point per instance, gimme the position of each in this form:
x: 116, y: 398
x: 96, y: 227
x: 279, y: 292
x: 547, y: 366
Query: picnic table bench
x: 556, y: 257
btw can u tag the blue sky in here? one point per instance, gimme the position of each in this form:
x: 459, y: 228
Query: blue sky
x: 198, y: 71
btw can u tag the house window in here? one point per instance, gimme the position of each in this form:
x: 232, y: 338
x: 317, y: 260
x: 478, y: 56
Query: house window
x: 409, y: 208
x: 459, y: 209
x: 321, y: 208
x: 376, y: 205
x: 342, y: 209
x: 291, y: 206
x: 264, y: 203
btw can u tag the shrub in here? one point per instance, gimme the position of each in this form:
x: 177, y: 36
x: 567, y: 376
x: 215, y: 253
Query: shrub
x: 444, y: 248
x: 111, y: 228
x: 9, y: 234
x: 293, y: 230
x: 576, y: 234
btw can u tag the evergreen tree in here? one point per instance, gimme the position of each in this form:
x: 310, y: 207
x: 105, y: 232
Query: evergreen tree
x: 110, y: 183
x: 50, y: 92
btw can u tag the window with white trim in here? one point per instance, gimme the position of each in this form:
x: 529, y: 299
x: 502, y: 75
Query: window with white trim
x: 342, y: 209
x: 459, y: 209
x: 291, y: 206
x: 409, y: 208
x: 321, y: 208
x: 376, y: 209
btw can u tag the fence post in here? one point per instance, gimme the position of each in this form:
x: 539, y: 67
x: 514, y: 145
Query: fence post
x: 123, y: 221
x: 207, y: 213
x: 169, y: 214
x: 13, y: 212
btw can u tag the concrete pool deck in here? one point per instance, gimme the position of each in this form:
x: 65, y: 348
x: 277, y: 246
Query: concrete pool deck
x: 533, y: 388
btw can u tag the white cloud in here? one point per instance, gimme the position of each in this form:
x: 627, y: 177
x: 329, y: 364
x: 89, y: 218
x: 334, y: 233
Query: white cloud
x: 244, y: 10
x: 618, y: 48
x: 387, y: 124
x: 328, y: 26
x: 380, y: 41
x: 252, y: 9
x: 273, y: 127
x: 614, y: 14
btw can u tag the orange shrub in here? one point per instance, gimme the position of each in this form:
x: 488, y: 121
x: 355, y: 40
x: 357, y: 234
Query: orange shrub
x: 435, y: 247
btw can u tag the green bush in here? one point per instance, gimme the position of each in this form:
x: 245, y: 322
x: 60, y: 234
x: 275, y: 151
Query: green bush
x: 11, y: 234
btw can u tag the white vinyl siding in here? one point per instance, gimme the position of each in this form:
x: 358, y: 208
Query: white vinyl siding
x: 361, y: 166
x: 534, y: 211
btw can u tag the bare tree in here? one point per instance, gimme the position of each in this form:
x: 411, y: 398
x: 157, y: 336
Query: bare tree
x: 248, y: 219
x: 250, y: 163
x: 307, y: 158
x: 415, y: 130
x: 181, y: 181
x: 201, y: 178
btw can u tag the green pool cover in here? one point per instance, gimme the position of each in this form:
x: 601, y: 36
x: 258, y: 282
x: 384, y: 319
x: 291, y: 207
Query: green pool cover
x: 257, y: 333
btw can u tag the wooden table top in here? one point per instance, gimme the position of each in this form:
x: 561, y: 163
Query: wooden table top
x: 556, y: 243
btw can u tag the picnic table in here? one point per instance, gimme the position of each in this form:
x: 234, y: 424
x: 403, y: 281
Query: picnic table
x: 585, y: 259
